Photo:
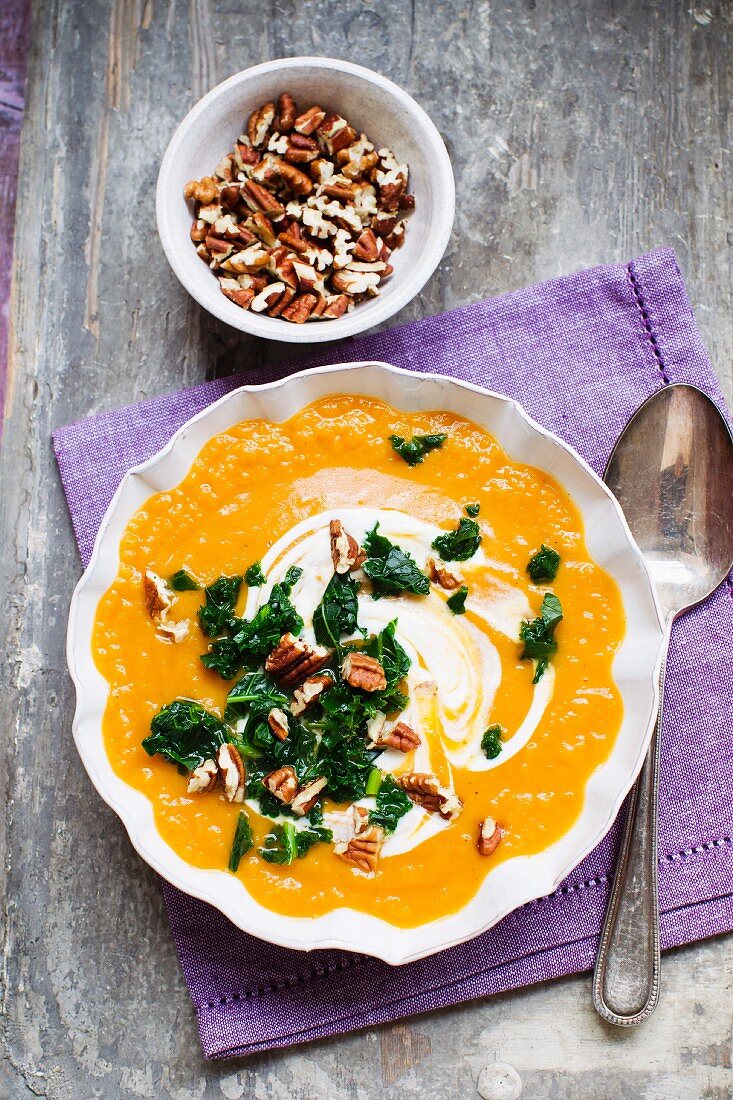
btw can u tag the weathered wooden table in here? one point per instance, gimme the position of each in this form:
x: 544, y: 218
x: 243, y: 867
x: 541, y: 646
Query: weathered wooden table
x: 581, y: 132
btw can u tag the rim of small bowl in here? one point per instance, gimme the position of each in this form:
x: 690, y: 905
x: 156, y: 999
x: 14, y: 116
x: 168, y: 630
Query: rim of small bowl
x: 527, y: 877
x: 381, y: 309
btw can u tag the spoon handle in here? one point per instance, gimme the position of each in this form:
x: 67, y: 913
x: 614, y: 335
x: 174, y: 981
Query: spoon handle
x: 626, y: 977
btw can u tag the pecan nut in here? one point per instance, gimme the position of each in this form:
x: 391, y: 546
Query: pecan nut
x: 309, y: 121
x: 301, y: 308
x: 277, y: 720
x: 204, y: 190
x: 489, y: 837
x: 156, y: 594
x: 346, y: 554
x: 440, y: 575
x: 203, y: 778
x: 425, y: 790
x: 286, y: 113
x: 401, y: 737
x: 309, y: 691
x: 282, y: 783
x: 258, y: 198
x: 231, y: 770
x: 294, y: 660
x: 363, y: 850
x: 307, y: 796
x: 359, y: 670
x: 259, y: 124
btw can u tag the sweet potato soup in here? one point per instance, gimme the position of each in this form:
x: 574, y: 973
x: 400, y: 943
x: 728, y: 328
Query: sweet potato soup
x: 358, y: 659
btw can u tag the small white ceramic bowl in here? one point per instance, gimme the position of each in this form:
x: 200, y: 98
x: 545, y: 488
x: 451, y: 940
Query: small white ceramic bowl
x: 635, y: 669
x: 372, y: 104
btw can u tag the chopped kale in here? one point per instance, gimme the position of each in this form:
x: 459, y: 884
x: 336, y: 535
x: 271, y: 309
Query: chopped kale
x: 491, y: 742
x: 414, y: 450
x: 543, y: 565
x: 336, y: 614
x: 242, y: 841
x: 457, y: 602
x: 286, y: 843
x: 473, y: 510
x: 186, y: 734
x: 254, y: 576
x: 396, y: 664
x: 256, y: 637
x: 218, y: 611
x: 539, y: 634
x: 392, y: 804
x: 182, y: 581
x: 390, y: 568
x: 255, y: 692
x: 461, y: 543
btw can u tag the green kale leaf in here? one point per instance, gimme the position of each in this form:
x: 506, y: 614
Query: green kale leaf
x: 286, y: 843
x: 414, y: 450
x: 254, y: 576
x: 491, y: 742
x: 392, y: 804
x: 473, y: 510
x: 539, y: 634
x: 242, y: 841
x: 218, y: 611
x: 254, y: 638
x: 186, y: 734
x: 390, y: 568
x: 543, y: 565
x: 461, y: 543
x: 336, y: 614
x: 182, y: 581
x: 457, y: 602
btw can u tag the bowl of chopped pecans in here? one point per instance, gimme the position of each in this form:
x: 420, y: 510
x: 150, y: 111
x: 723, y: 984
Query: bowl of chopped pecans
x: 305, y: 199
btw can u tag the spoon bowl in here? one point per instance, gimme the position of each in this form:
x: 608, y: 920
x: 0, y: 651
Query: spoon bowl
x: 672, y: 473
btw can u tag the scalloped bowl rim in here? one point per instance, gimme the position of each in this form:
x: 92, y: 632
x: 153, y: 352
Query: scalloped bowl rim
x: 636, y: 666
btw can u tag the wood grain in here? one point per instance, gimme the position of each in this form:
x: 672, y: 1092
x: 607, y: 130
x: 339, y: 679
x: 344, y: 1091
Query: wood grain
x: 581, y: 132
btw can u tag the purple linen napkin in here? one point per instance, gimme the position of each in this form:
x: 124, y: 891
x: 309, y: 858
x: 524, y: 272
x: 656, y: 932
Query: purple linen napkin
x: 580, y: 353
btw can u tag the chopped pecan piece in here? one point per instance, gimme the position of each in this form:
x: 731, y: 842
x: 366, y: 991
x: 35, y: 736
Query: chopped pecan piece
x: 364, y: 848
x: 342, y: 191
x: 294, y: 660
x: 366, y: 247
x: 337, y: 305
x: 309, y: 691
x: 307, y: 797
x: 286, y: 112
x: 310, y: 120
x: 359, y: 670
x: 259, y: 198
x: 199, y: 231
x: 301, y: 308
x: 346, y: 824
x: 158, y: 597
x: 203, y: 778
x: 277, y: 720
x: 297, y: 181
x: 284, y: 300
x: 231, y: 770
x: 489, y: 837
x: 440, y: 575
x: 237, y: 294
x: 174, y: 632
x: 203, y: 190
x: 259, y: 124
x: 401, y: 737
x: 292, y: 239
x: 425, y: 790
x: 282, y: 783
x: 346, y: 554
x: 301, y: 149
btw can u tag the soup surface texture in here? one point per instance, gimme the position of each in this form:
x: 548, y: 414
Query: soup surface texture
x: 266, y: 492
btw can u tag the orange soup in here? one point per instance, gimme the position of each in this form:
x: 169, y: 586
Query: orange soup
x: 415, y: 684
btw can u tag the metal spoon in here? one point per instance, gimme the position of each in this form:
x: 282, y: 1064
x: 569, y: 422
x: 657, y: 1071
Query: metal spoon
x: 672, y: 473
